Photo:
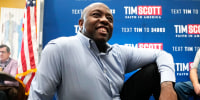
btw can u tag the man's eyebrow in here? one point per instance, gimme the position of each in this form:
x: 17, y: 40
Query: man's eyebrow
x: 110, y: 14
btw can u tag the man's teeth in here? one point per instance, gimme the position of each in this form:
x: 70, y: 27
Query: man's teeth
x: 102, y: 29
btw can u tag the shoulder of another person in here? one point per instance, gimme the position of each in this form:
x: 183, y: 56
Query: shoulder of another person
x: 13, y: 61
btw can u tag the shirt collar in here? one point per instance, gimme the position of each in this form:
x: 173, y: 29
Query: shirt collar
x: 5, y: 61
x: 4, y: 64
x: 90, y: 43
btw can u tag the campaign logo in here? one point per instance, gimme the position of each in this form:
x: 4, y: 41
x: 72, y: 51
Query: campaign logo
x: 147, y: 45
x: 190, y: 30
x: 193, y: 28
x: 183, y: 69
x: 151, y: 45
x: 149, y: 10
x: 143, y: 12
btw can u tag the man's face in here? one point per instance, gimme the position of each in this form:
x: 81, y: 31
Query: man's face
x: 97, y: 23
x: 4, y: 55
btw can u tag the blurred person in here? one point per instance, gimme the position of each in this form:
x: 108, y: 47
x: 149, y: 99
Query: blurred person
x: 86, y: 67
x: 187, y: 89
x: 8, y: 66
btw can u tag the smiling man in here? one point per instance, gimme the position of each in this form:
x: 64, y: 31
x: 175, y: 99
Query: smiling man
x: 97, y: 23
x: 86, y: 67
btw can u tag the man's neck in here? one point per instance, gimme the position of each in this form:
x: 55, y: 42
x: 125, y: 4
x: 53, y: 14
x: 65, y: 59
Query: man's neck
x: 102, y: 47
x: 4, y: 61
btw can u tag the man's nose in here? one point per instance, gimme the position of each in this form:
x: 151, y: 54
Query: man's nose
x: 104, y: 20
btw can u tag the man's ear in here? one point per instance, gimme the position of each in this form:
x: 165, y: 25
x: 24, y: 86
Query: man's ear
x: 81, y: 24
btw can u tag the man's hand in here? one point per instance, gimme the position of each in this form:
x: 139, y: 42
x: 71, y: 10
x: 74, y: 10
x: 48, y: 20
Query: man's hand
x: 197, y: 89
x: 167, y: 91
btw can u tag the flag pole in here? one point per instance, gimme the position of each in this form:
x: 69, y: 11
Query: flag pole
x: 40, y: 9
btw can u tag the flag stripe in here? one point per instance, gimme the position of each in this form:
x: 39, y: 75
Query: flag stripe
x: 29, y: 82
x: 30, y: 46
x: 29, y: 54
x: 23, y: 60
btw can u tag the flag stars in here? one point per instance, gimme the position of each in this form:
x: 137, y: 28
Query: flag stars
x: 31, y: 2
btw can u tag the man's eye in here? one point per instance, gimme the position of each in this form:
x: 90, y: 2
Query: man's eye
x: 110, y: 19
x: 96, y: 14
x: 2, y: 52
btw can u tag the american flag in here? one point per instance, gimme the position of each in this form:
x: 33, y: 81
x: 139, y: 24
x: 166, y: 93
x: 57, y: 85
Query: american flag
x: 28, y: 57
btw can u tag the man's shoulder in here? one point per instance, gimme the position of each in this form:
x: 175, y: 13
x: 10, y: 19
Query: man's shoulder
x: 117, y: 46
x: 120, y: 49
x: 63, y: 39
x: 62, y: 42
x: 13, y: 60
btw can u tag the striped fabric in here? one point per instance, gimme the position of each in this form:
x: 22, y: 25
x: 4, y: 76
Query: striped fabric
x: 28, y: 58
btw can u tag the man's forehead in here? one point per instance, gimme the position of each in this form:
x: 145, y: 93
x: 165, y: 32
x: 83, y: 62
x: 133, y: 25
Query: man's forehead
x: 96, y: 6
x: 4, y: 48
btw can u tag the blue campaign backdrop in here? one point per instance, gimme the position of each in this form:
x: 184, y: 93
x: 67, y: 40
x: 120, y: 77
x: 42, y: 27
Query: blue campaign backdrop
x: 172, y: 25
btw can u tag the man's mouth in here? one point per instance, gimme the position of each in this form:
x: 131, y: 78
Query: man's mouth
x: 102, y: 30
